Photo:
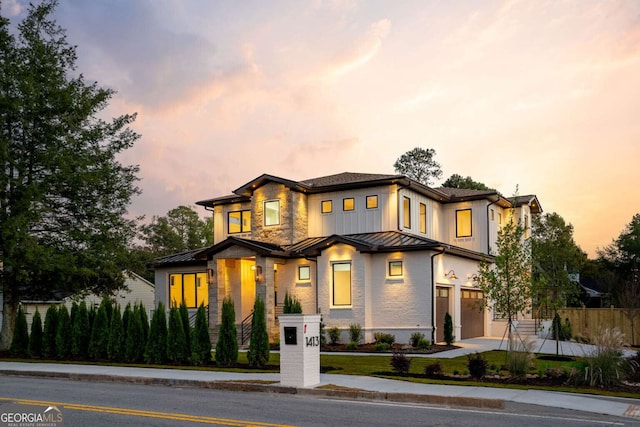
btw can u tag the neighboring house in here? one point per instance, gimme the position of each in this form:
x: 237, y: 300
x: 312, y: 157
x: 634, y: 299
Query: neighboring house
x: 381, y: 251
x: 137, y: 289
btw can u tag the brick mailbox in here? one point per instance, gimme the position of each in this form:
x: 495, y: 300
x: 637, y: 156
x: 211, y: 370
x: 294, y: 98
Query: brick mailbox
x: 299, y: 350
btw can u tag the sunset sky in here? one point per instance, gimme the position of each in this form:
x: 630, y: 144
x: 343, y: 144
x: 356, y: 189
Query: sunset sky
x: 543, y: 95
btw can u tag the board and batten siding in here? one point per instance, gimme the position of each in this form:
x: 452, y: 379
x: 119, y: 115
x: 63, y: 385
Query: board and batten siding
x: 434, y: 214
x: 361, y: 219
x: 478, y: 239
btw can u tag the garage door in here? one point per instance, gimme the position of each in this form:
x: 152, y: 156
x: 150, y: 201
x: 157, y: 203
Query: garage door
x: 442, y: 306
x: 471, y: 317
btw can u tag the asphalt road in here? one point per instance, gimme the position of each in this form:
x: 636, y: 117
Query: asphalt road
x: 108, y: 404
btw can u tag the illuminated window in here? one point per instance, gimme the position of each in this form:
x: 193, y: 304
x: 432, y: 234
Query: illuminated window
x: 395, y: 268
x: 372, y: 202
x: 272, y: 212
x: 304, y: 272
x: 407, y: 212
x: 192, y: 288
x: 348, y: 204
x: 463, y: 223
x: 423, y: 218
x: 499, y: 218
x: 327, y: 206
x: 341, y: 284
x: 239, y: 222
x: 492, y: 215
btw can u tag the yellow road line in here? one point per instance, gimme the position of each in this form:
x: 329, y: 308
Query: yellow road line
x: 144, y: 413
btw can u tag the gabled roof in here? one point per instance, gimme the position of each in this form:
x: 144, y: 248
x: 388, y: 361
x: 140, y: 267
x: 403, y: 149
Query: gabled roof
x: 531, y: 200
x: 261, y: 248
x: 191, y: 257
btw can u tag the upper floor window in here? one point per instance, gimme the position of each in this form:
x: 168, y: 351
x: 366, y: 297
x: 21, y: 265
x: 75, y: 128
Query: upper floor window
x: 272, y: 212
x: 407, y: 212
x: 463, y: 223
x: 326, y: 206
x: 348, y: 204
x: 500, y: 218
x: 423, y: 218
x: 372, y: 202
x: 492, y: 214
x: 239, y: 222
x: 527, y: 227
x: 341, y: 283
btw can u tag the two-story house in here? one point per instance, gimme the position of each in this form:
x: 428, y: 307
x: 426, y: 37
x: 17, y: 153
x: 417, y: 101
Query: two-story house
x: 381, y: 251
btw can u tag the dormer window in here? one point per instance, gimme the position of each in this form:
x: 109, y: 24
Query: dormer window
x: 272, y: 212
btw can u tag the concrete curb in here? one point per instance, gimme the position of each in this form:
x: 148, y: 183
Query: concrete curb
x: 248, y: 386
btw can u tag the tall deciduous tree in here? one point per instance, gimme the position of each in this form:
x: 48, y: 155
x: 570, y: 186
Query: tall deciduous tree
x: 419, y: 165
x: 506, y: 283
x: 63, y: 193
x: 458, y: 181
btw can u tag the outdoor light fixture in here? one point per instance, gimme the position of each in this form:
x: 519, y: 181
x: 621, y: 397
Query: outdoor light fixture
x: 210, y: 276
x: 259, y: 276
x: 451, y: 275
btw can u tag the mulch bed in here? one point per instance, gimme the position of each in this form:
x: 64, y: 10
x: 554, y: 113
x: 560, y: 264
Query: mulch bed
x: 371, y: 348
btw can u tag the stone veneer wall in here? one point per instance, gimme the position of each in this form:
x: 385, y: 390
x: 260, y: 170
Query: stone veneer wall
x: 293, y: 225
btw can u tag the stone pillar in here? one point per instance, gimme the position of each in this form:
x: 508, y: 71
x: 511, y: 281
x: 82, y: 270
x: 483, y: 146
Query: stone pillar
x: 299, y: 350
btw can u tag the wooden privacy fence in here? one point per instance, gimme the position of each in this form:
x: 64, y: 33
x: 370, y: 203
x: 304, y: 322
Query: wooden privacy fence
x: 588, y: 321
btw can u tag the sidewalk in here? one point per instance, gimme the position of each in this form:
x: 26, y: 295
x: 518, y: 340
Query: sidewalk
x: 347, y: 386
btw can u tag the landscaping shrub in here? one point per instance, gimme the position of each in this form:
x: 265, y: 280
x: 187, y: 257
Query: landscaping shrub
x: 400, y: 363
x: 115, y: 344
x: 434, y: 370
x: 186, y: 326
x: 20, y: 340
x: 156, y: 348
x: 334, y: 335
x: 415, y: 339
x: 176, y: 339
x: 99, y: 332
x: 423, y: 344
x: 80, y: 332
x: 521, y: 357
x: 381, y: 337
x: 63, y: 334
x: 381, y: 346
x: 323, y: 337
x: 141, y: 312
x: 352, y: 346
x: 258, y: 354
x: 227, y: 345
x: 49, y: 334
x: 605, y: 363
x: 633, y: 368
x: 35, y: 338
x: 355, y: 332
x: 291, y: 304
x: 448, y: 329
x: 477, y: 365
x: 200, y: 340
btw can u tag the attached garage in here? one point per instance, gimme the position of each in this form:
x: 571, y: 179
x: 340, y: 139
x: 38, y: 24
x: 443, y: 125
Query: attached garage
x: 471, y: 317
x: 442, y: 307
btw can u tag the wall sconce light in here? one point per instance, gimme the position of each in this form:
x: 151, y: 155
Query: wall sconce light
x: 259, y: 276
x: 172, y: 280
x: 451, y: 275
x: 210, y: 276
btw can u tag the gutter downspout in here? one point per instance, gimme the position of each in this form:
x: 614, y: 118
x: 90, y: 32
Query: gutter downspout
x: 433, y: 288
x: 316, y: 261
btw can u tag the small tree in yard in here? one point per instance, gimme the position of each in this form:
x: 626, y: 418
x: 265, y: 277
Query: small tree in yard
x: 49, y: 338
x: 100, y: 334
x: 156, y: 348
x: 115, y: 345
x: 506, y: 283
x: 259, y: 346
x: 400, y: 363
x: 80, y: 332
x: 200, y: 340
x: 176, y: 340
x: 448, y: 329
x: 20, y: 341
x: 35, y: 338
x: 63, y: 334
x: 227, y: 345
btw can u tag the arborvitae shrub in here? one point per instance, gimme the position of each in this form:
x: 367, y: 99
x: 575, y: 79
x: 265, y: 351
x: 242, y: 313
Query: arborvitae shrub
x: 186, y: 326
x: 126, y: 316
x: 200, y: 339
x: 448, y: 329
x: 156, y: 349
x: 100, y: 333
x: 176, y: 341
x: 20, y: 339
x: 72, y: 313
x: 63, y: 334
x: 258, y: 354
x: 291, y: 304
x: 134, y: 344
x: 227, y: 345
x: 49, y: 336
x: 35, y: 338
x: 115, y: 345
x: 144, y: 320
x: 80, y: 332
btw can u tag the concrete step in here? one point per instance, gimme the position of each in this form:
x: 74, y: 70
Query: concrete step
x: 526, y: 327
